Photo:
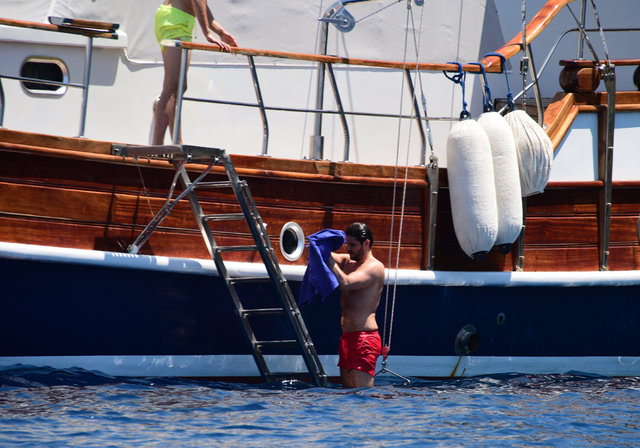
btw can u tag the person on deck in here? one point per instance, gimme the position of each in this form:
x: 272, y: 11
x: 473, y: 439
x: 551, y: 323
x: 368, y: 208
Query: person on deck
x: 175, y: 19
x: 360, y: 279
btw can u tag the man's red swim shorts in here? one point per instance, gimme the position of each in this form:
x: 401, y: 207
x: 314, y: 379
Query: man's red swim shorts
x: 359, y: 350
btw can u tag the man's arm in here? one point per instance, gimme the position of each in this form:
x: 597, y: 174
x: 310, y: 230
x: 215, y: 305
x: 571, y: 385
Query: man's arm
x: 358, y: 279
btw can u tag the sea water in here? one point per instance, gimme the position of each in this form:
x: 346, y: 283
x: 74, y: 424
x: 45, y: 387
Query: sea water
x: 42, y: 407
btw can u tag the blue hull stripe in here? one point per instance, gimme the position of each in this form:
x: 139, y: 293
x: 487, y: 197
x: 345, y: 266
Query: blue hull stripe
x: 64, y: 303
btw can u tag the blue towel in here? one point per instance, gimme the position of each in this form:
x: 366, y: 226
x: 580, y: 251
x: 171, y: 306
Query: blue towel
x: 318, y: 280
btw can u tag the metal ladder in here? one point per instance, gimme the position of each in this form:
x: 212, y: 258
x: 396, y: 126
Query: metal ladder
x: 180, y: 155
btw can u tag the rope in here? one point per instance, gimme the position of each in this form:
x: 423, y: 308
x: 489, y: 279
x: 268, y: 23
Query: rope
x: 487, y: 103
x: 378, y: 10
x: 387, y: 342
x: 604, y: 42
x: 584, y: 35
x: 417, y: 45
x: 144, y: 187
x: 389, y: 321
x: 503, y: 60
x: 459, y: 78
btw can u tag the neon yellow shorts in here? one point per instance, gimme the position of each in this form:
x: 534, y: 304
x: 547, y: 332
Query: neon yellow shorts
x: 173, y: 23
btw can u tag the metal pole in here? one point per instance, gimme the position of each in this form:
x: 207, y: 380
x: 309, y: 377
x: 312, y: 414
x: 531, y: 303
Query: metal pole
x: 583, y: 18
x: 263, y: 112
x: 520, y: 261
x: 85, y: 86
x: 343, y: 119
x: 609, y: 77
x: 536, y: 87
x: 317, y: 140
x: 416, y: 111
x: 180, y: 93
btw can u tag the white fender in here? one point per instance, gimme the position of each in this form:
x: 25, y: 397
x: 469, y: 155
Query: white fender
x: 506, y: 176
x: 535, y: 152
x: 471, y: 188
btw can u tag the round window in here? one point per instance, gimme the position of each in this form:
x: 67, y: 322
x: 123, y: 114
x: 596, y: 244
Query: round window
x: 291, y: 241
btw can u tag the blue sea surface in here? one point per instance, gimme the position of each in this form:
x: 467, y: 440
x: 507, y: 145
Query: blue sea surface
x: 68, y: 408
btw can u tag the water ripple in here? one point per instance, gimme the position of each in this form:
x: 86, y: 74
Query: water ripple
x: 45, y: 407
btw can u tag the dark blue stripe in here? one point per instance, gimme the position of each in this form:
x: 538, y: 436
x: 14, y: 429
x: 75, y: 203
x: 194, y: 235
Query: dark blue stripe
x: 67, y: 309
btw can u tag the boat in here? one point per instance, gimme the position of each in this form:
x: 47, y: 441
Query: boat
x: 327, y: 114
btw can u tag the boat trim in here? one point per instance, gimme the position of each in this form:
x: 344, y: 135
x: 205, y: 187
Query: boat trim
x: 194, y: 266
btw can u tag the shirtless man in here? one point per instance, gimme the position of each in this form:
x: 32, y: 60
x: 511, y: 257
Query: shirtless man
x: 175, y: 19
x: 360, y: 278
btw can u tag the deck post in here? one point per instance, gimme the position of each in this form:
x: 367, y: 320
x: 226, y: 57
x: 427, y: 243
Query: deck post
x: 317, y: 140
x: 177, y: 119
x: 606, y: 166
x: 85, y: 85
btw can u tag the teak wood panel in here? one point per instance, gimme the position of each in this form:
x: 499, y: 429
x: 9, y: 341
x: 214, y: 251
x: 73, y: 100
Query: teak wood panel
x: 123, y: 209
x: 92, y: 204
x: 173, y: 243
x: 562, y: 231
x: 72, y: 194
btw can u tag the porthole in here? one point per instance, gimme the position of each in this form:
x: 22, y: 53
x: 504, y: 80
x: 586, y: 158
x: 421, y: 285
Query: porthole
x: 46, y: 69
x: 291, y: 241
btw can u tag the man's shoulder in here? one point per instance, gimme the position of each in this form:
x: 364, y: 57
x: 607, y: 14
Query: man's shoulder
x: 375, y: 265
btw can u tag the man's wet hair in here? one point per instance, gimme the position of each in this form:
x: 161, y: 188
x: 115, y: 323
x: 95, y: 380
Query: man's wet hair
x: 360, y: 232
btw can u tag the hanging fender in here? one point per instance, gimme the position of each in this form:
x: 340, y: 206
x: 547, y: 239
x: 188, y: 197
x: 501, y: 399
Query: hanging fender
x: 506, y: 178
x: 535, y: 152
x: 472, y: 188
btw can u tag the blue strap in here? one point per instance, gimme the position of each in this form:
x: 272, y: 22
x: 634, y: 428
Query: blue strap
x: 510, y: 101
x: 459, y: 78
x: 487, y: 103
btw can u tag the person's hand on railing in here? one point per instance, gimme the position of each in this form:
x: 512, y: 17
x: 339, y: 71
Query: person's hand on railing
x: 223, y: 45
x: 226, y: 40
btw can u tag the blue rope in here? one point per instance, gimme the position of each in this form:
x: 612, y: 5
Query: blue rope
x: 510, y: 102
x: 487, y: 103
x: 459, y: 78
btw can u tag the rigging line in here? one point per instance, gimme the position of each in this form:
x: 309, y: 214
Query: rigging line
x: 417, y: 46
x: 378, y: 10
x: 584, y: 35
x: 144, y: 187
x: 395, y: 186
x: 604, y: 42
x: 406, y: 174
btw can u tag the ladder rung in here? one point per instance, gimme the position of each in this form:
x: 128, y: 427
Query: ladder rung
x: 236, y: 280
x: 219, y: 184
x: 251, y: 248
x: 262, y: 311
x: 223, y: 217
x: 283, y: 342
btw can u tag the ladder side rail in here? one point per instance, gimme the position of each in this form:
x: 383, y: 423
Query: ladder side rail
x: 258, y: 230
x: 307, y: 347
x: 223, y: 273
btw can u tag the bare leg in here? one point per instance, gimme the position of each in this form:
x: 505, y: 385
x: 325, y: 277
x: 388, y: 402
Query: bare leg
x: 165, y: 107
x: 355, y: 378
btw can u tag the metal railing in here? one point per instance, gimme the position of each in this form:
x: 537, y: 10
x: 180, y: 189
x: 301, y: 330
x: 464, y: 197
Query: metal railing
x: 327, y: 62
x: 90, y: 29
